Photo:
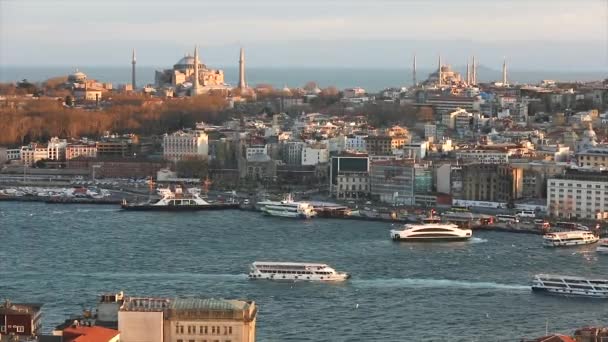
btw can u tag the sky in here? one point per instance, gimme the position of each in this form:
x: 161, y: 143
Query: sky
x: 530, y: 34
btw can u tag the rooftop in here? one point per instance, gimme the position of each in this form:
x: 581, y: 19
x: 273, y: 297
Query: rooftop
x: 89, y: 334
x: 209, y: 304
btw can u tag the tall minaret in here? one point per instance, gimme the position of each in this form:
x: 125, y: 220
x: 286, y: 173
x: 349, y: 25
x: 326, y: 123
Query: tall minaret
x: 468, y: 74
x: 195, y: 88
x: 474, y: 72
x: 242, y: 83
x: 414, y: 81
x: 440, y: 73
x: 133, y: 61
x: 504, y: 72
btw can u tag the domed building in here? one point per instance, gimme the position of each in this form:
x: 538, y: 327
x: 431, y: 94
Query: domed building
x: 77, y: 77
x: 448, y: 77
x: 183, y: 76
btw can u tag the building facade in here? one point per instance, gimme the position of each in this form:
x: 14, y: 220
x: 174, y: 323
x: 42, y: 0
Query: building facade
x: 596, y: 157
x: 492, y: 182
x: 142, y: 319
x: 578, y: 194
x: 315, y: 154
x: 210, y: 320
x: 186, y: 145
x: 393, y: 181
x: 20, y: 319
x: 76, y: 150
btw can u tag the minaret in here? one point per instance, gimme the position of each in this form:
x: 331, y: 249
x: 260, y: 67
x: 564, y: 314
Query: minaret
x: 242, y: 84
x: 468, y: 74
x: 474, y: 72
x: 133, y: 61
x: 439, y: 73
x: 195, y: 89
x: 414, y: 81
x: 504, y: 72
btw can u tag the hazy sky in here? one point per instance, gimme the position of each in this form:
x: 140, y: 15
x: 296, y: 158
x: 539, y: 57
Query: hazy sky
x: 382, y: 33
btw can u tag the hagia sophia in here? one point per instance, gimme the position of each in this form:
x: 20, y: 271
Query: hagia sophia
x: 183, y: 77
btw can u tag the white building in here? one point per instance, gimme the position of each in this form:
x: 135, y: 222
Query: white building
x: 578, y: 195
x: 56, y: 149
x: 13, y: 154
x: 484, y: 156
x: 596, y: 157
x: 356, y: 142
x: 292, y: 152
x: 350, y: 93
x: 336, y: 144
x: 32, y: 153
x: 141, y: 319
x: 80, y: 150
x: 315, y: 154
x: 255, y: 151
x: 186, y: 145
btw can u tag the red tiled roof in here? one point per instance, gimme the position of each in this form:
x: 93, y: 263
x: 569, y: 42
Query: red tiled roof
x: 89, y: 334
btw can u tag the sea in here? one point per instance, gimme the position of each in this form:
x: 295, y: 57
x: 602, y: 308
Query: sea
x: 372, y: 79
x: 65, y: 256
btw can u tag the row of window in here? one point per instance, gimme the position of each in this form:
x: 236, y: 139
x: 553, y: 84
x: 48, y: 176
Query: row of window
x: 203, y: 329
x: 180, y: 340
x: 579, y: 185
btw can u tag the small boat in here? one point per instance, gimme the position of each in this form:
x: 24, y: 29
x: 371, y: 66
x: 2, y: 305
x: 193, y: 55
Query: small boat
x: 602, y: 247
x: 295, y: 271
x: 570, y: 286
x: 288, y: 208
x: 177, y: 200
x: 572, y: 238
x: 431, y: 229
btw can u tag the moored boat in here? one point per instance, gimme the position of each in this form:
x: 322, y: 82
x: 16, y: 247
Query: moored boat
x: 572, y: 238
x: 431, y: 229
x: 178, y: 200
x: 570, y: 286
x: 295, y: 271
x: 288, y: 208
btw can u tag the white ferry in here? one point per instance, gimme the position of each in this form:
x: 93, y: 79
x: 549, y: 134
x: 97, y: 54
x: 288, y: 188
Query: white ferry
x: 570, y: 286
x: 288, y: 208
x: 431, y: 229
x: 602, y: 247
x: 295, y: 271
x: 178, y: 200
x: 573, y: 238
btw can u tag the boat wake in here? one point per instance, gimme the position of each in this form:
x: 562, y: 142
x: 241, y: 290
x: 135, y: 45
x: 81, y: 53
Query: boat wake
x: 144, y: 275
x: 433, y: 283
x: 478, y: 240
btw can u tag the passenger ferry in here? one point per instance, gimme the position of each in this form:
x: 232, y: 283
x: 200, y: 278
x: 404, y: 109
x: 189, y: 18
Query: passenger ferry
x: 570, y: 286
x: 431, y: 229
x: 288, y: 208
x: 295, y: 271
x: 573, y: 238
x: 178, y: 200
x: 603, y: 247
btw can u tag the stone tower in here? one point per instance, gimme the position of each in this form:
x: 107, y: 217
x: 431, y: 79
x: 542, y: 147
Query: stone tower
x: 133, y: 61
x: 195, y: 85
x: 242, y: 83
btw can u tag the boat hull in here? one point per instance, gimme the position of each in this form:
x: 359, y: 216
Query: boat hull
x: 293, y: 278
x: 147, y: 207
x: 567, y: 244
x: 568, y: 292
x: 602, y: 249
x: 428, y: 239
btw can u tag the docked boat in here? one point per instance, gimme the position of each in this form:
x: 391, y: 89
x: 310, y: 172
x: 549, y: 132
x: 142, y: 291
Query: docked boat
x: 570, y: 286
x: 431, y: 229
x: 572, y: 238
x: 288, y: 208
x: 178, y: 200
x: 295, y: 271
x: 602, y: 247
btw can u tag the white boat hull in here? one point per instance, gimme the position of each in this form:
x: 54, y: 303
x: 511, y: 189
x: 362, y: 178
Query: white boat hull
x: 288, y: 214
x: 568, y: 243
x: 570, y: 286
x: 299, y: 277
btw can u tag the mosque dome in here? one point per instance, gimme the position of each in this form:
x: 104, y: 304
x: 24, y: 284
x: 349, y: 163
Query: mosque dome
x: 77, y: 76
x: 187, y: 62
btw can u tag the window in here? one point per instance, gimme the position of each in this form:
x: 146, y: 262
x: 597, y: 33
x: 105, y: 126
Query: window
x: 229, y: 331
x: 180, y: 340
